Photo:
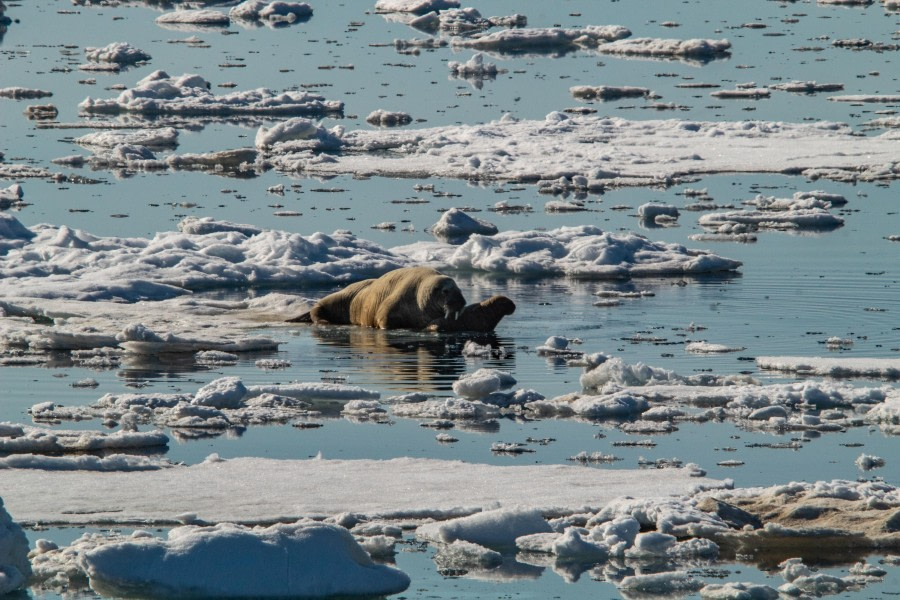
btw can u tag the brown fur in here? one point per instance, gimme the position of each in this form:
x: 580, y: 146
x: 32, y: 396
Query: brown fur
x: 409, y: 298
x: 482, y: 316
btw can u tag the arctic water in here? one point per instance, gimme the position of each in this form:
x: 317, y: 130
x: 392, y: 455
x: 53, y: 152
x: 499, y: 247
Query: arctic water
x: 793, y: 291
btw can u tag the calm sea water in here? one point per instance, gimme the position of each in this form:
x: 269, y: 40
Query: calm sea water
x: 793, y: 292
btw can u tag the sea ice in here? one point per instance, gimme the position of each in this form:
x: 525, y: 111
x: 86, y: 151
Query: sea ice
x: 494, y: 528
x: 474, y: 67
x: 482, y: 382
x: 652, y: 210
x: 194, y: 17
x: 708, y: 348
x: 14, y: 566
x: 275, y: 12
x: 608, y: 92
x: 734, y: 590
x: 112, y: 462
x: 120, y: 53
x: 584, y: 252
x: 542, y: 40
x: 667, y: 48
x: 456, y: 225
x: 190, y: 94
x: 634, y: 152
x: 305, y: 559
x: 386, y: 118
x: 665, y: 583
x: 163, y: 137
x: 415, y: 6
x: 216, y: 491
x: 22, y: 93
x: 23, y: 439
x: 887, y: 368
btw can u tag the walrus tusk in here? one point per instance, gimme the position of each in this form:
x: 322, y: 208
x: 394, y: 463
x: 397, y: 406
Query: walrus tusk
x: 456, y: 315
x: 447, y: 313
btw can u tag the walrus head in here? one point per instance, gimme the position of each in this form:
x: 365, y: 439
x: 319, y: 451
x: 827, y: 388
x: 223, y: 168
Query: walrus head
x: 499, y: 305
x: 441, y: 297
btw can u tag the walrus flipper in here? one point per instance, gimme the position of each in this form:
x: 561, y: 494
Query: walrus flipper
x: 304, y: 318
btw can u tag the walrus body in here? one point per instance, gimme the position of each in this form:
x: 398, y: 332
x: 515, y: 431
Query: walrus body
x: 409, y: 298
x: 481, y: 317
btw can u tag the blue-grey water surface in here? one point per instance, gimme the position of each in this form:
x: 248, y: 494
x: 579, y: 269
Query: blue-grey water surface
x: 793, y: 291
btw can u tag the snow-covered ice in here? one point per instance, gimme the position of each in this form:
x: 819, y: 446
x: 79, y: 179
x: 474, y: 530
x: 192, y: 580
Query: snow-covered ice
x: 194, y: 17
x: 553, y: 39
x: 888, y: 368
x: 415, y: 6
x: 274, y: 12
x: 282, y: 490
x: 494, y: 529
x: 456, y: 224
x: 634, y: 152
x: 14, y: 566
x: 189, y: 94
x: 308, y: 559
x: 119, y: 53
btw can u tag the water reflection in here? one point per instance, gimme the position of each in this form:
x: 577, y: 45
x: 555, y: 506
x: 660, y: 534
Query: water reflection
x: 404, y: 360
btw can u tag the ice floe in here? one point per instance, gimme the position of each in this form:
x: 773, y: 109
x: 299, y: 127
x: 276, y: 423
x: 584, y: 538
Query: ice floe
x: 777, y: 213
x: 118, y: 53
x: 555, y: 39
x: 223, y: 403
x: 608, y: 92
x: 696, y: 49
x: 708, y: 348
x: 272, y: 12
x: 415, y: 6
x: 386, y: 118
x: 494, y: 529
x: 23, y: 93
x: 24, y: 439
x: 475, y: 70
x: 887, y: 368
x: 456, y: 225
x: 112, y: 462
x: 194, y: 17
x: 290, y: 489
x: 585, y: 252
x: 553, y: 150
x: 163, y: 137
x: 14, y: 566
x: 307, y: 559
x: 807, y: 87
x: 190, y: 94
x: 464, y: 20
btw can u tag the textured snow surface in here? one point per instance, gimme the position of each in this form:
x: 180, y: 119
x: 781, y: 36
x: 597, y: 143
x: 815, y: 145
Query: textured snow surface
x: 256, y: 490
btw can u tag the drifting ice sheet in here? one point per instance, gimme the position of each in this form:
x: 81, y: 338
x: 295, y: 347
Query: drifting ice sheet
x: 888, y: 368
x: 257, y: 490
x: 226, y: 561
x: 622, y: 152
x: 189, y: 94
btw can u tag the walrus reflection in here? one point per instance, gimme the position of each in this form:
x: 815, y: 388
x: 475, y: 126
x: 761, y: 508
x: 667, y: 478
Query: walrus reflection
x: 403, y: 361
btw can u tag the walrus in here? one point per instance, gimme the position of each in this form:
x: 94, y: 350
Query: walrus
x: 408, y: 298
x: 481, y: 316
